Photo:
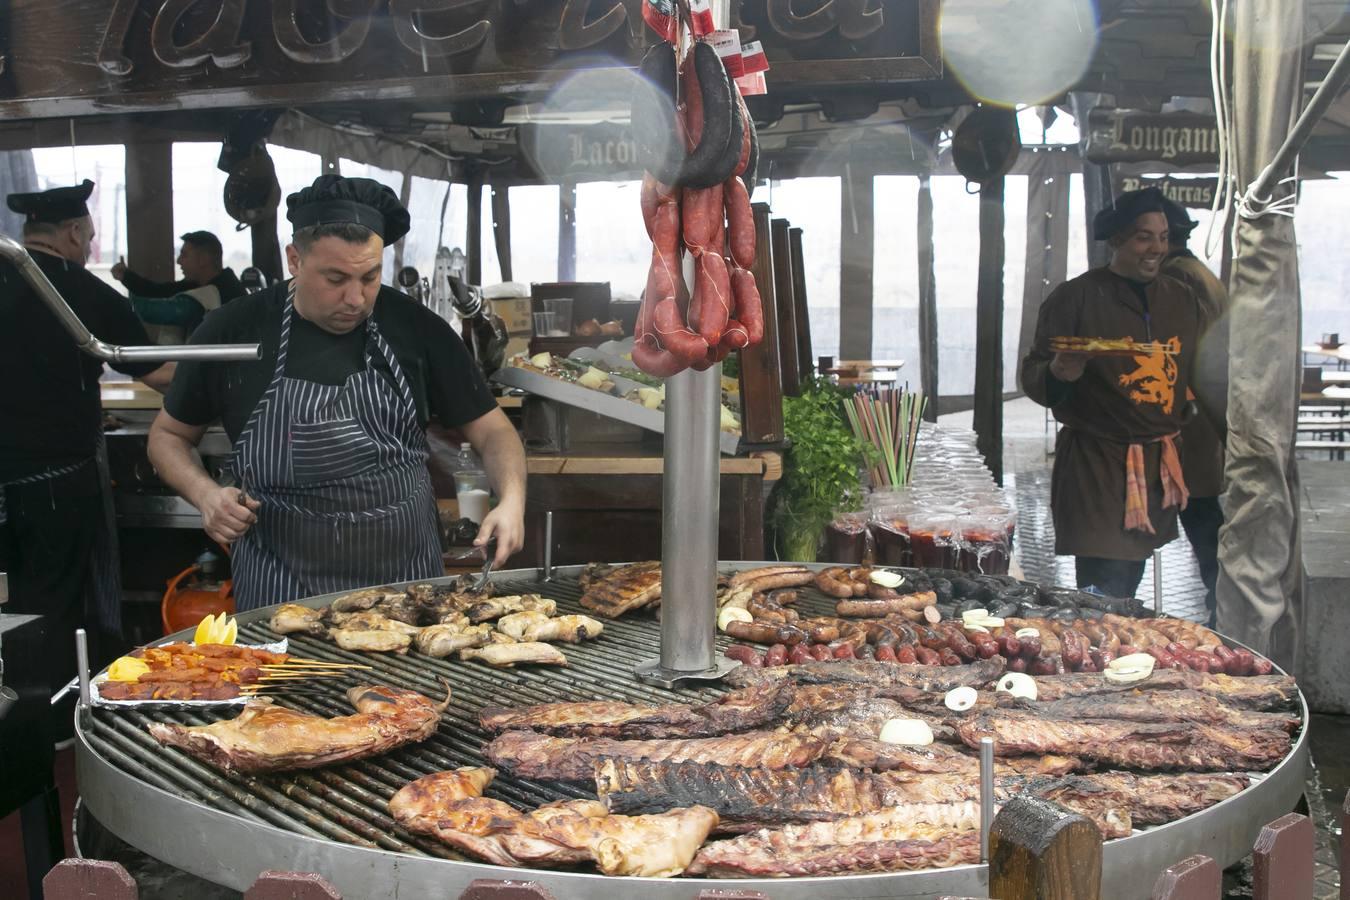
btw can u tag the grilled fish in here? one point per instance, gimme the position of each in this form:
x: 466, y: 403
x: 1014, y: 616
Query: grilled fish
x: 1268, y: 692
x: 442, y: 640
x: 918, y: 836
x: 530, y: 755
x: 1132, y: 745
x: 507, y: 655
x: 739, y: 710
x: 448, y: 806
x: 292, y: 618
x: 268, y: 738
x: 496, y: 607
x: 610, y: 592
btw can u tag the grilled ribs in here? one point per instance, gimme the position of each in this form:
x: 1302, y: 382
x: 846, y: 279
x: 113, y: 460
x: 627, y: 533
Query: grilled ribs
x: 536, y: 756
x: 268, y: 738
x: 749, y: 798
x: 924, y: 836
x: 933, y: 679
x: 448, y: 806
x: 1166, y: 706
x: 1130, y: 745
x: 1268, y: 692
x: 611, y: 591
x: 739, y: 710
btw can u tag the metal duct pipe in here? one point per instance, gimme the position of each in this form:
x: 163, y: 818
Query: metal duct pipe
x: 16, y: 253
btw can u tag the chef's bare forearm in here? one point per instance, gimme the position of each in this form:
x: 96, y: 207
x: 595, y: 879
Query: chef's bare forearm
x: 497, y: 444
x: 171, y: 450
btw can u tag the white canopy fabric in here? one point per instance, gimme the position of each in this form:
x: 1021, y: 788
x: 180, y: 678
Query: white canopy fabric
x: 1260, y: 579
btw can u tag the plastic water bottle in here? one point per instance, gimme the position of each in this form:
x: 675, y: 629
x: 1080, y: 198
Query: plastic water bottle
x: 471, y: 485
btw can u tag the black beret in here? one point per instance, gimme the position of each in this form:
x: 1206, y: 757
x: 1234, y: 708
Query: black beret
x: 55, y: 205
x: 334, y: 200
x: 1129, y: 206
x: 1179, y: 222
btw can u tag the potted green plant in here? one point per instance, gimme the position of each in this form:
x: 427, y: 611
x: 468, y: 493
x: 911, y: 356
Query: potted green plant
x: 820, y: 469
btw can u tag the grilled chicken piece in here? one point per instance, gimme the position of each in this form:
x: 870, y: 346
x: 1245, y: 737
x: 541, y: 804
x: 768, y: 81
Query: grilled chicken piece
x: 874, y: 675
x: 507, y: 655
x: 747, y: 798
x: 610, y: 592
x: 437, y: 601
x: 1268, y: 692
x: 569, y: 629
x: 371, y: 621
x: 447, y: 806
x: 740, y: 710
x: 442, y: 640
x: 1132, y: 745
x: 268, y: 738
x: 371, y: 641
x: 920, y: 836
x: 516, y: 624
x: 292, y: 618
x: 496, y: 607
x: 1165, y: 706
x: 530, y: 755
x: 362, y: 599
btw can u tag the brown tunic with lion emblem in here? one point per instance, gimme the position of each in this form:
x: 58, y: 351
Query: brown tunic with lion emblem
x: 1120, y: 400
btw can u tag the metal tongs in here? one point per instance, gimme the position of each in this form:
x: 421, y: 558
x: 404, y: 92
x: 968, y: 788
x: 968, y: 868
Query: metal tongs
x: 489, y: 551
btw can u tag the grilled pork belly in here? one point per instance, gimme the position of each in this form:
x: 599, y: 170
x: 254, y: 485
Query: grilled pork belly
x: 448, y: 806
x: 268, y: 738
x: 610, y: 592
x: 536, y: 756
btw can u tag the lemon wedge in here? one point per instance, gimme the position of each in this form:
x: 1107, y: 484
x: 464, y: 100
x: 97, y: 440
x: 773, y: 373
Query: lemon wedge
x: 217, y: 629
x: 127, y: 668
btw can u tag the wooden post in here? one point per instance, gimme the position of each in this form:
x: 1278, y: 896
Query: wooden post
x: 1282, y: 861
x: 273, y: 885
x: 855, y: 263
x: 989, y: 330
x: 806, y: 362
x: 928, y: 321
x: 501, y: 227
x: 761, y: 379
x: 266, y: 249
x: 473, y: 241
x: 77, y: 879
x: 567, y: 231
x: 151, y: 243
x: 1194, y: 878
x: 787, y: 309
x: 1040, y: 851
x: 404, y: 197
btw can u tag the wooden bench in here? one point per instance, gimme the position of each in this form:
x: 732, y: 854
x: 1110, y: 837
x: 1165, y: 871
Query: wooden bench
x: 1335, y: 448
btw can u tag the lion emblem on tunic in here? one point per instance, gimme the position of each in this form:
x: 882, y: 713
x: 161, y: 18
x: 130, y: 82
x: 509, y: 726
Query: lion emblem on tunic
x: 1154, y: 379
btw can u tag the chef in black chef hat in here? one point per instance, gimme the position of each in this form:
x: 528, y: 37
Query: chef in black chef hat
x: 58, y: 220
x: 365, y: 217
x: 328, y: 428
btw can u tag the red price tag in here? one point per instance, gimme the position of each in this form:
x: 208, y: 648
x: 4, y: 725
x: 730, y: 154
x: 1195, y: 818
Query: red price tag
x: 752, y: 84
x: 753, y: 58
x: 728, y: 46
x: 700, y: 13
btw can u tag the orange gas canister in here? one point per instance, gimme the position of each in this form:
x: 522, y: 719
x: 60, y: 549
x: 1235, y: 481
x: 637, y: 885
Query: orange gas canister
x: 195, y: 593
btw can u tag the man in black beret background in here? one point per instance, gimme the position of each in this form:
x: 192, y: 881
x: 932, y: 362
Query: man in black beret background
x: 328, y: 427
x: 53, y: 502
x: 1117, y: 484
x: 175, y: 308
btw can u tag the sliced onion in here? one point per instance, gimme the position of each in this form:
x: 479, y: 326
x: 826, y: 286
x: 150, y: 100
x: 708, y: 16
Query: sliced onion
x: 887, y: 579
x: 974, y: 615
x: 978, y: 629
x: 1022, y: 633
x: 1132, y: 661
x: 911, y: 732
x: 1127, y: 676
x: 960, y: 699
x: 1019, y: 684
x: 731, y: 614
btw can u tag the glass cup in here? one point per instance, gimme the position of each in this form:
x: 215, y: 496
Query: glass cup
x: 935, y: 538
x: 889, y: 527
x: 561, y: 308
x: 846, y: 539
x: 545, y: 324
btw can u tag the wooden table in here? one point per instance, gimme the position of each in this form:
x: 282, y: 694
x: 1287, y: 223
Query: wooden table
x: 1341, y: 353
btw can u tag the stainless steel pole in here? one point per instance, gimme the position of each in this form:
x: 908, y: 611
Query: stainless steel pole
x: 1157, y: 583
x: 82, y: 662
x: 986, y: 795
x: 548, y: 545
x: 17, y: 254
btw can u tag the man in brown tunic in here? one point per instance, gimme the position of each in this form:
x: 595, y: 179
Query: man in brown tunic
x: 1117, y: 485
x: 1202, y: 438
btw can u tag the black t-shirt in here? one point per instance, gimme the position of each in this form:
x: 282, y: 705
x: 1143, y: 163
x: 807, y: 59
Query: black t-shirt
x: 446, y: 383
x: 50, y: 412
x: 226, y: 282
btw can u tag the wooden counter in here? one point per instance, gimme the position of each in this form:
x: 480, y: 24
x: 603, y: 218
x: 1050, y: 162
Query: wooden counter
x: 135, y: 395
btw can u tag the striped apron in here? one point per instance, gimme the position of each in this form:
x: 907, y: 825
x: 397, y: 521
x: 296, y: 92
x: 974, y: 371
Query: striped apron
x: 340, y: 471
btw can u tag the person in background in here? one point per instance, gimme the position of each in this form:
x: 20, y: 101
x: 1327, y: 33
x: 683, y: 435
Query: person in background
x: 1203, y: 436
x: 176, y: 308
x: 54, y: 504
x: 330, y: 446
x: 1117, y: 485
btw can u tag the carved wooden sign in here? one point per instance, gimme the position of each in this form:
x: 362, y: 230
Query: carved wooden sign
x: 1120, y: 135
x: 1194, y: 193
x: 77, y: 57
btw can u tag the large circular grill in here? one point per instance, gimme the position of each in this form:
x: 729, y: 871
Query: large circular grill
x: 334, y: 821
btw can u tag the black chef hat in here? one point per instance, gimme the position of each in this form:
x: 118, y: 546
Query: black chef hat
x: 55, y: 205
x: 1179, y: 222
x: 1129, y: 206
x: 334, y: 200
